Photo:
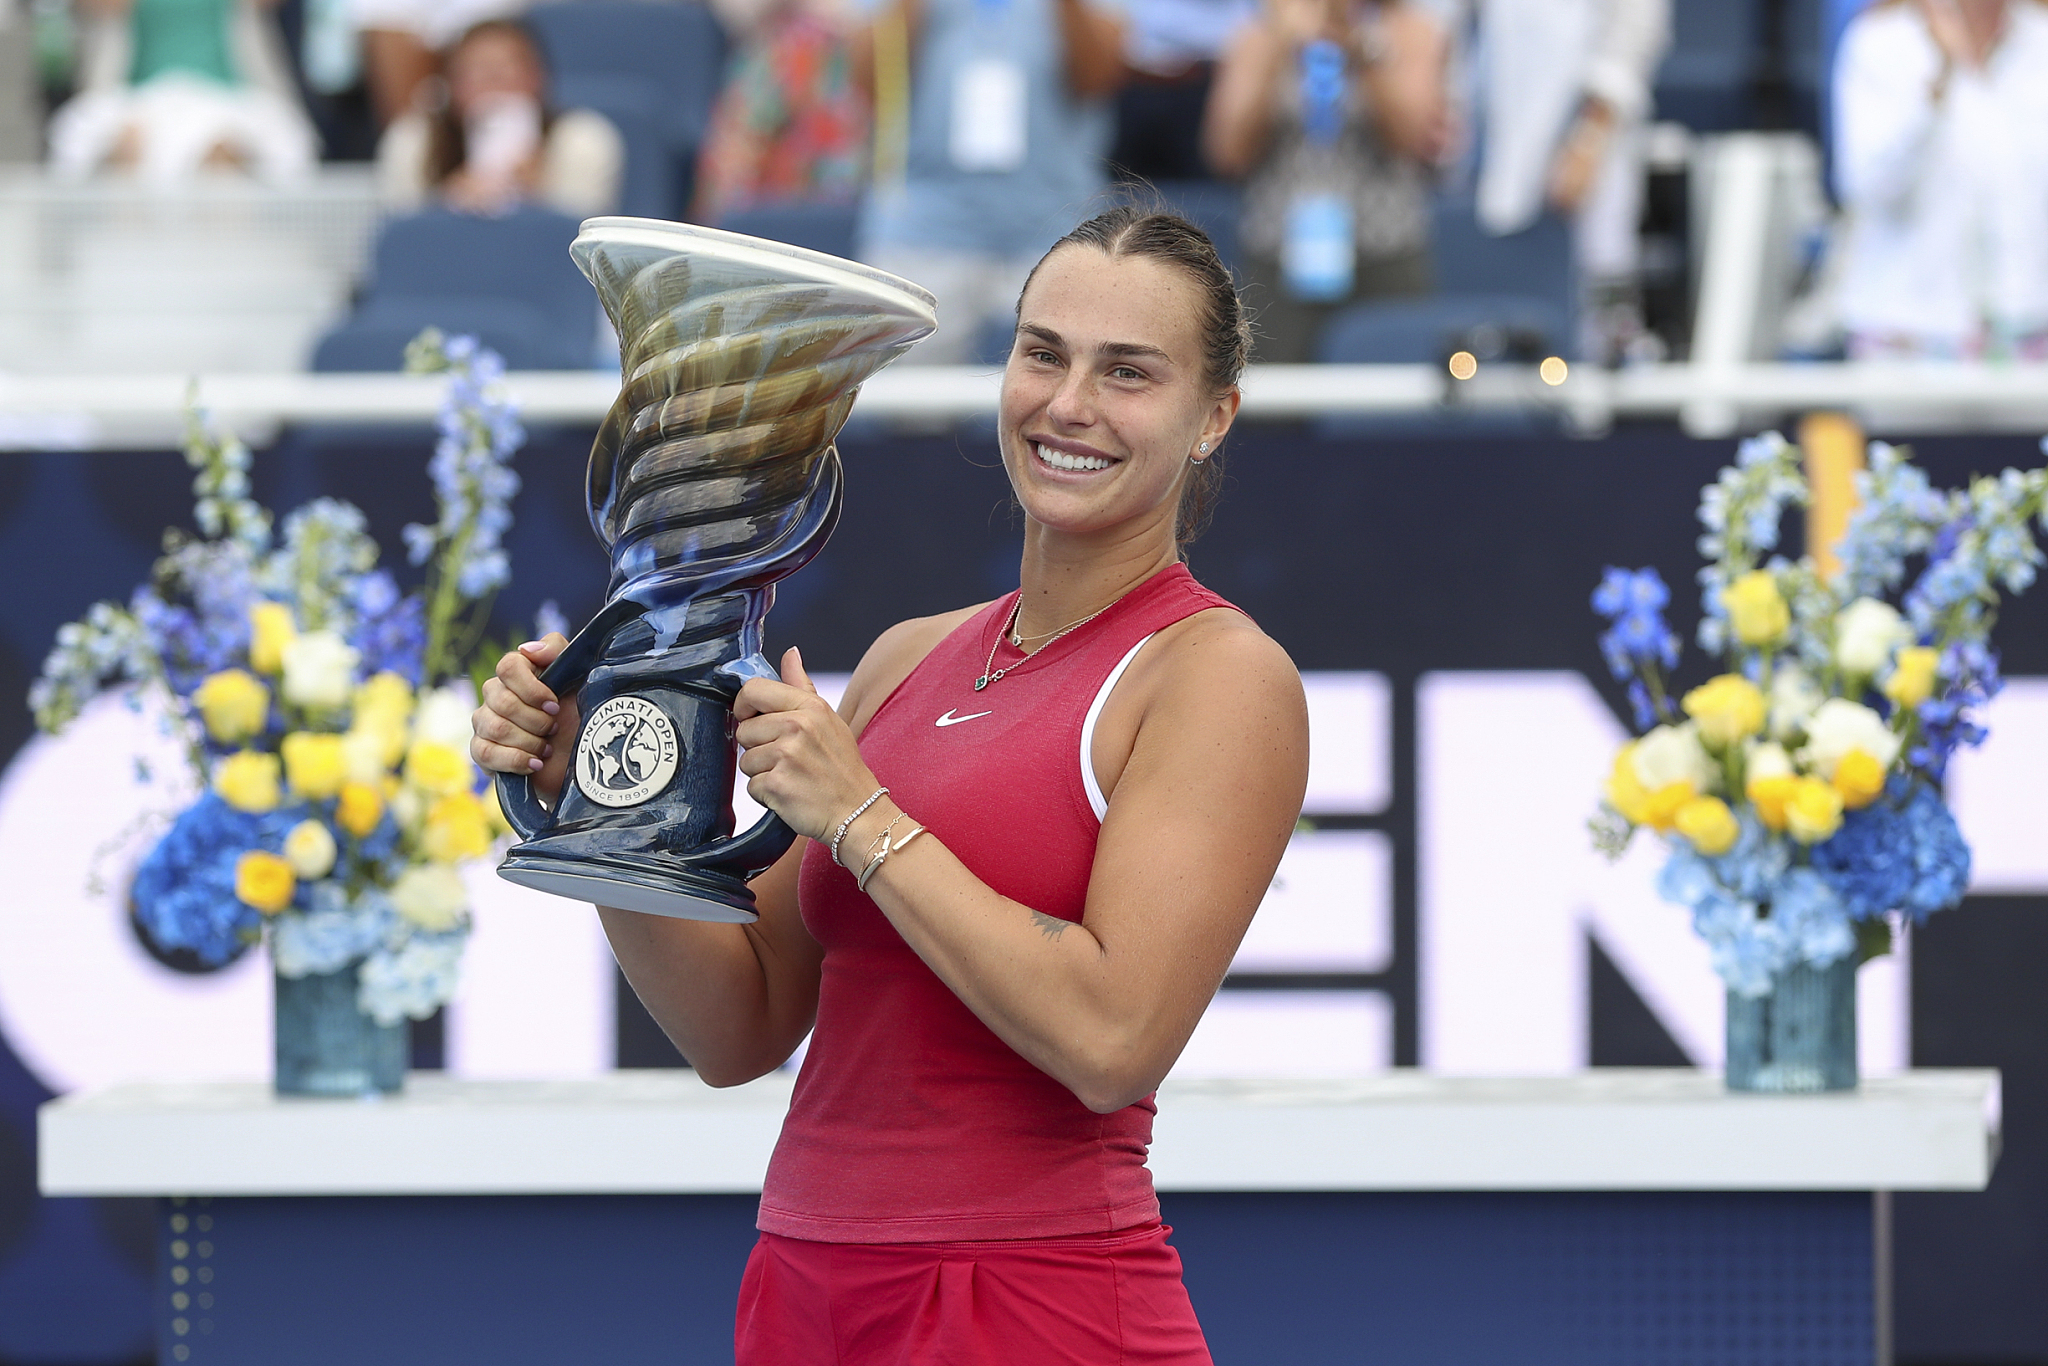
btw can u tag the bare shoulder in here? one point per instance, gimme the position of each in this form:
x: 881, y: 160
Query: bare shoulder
x: 890, y: 659
x: 1221, y: 655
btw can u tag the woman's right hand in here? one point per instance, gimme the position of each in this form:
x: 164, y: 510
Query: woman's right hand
x: 520, y: 718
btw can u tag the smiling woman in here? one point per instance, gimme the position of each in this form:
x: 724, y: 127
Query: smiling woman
x: 1038, y: 828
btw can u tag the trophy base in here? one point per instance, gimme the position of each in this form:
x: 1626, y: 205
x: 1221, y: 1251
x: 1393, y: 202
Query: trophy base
x: 680, y: 893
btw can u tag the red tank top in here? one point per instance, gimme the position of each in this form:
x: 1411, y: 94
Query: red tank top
x: 911, y: 1121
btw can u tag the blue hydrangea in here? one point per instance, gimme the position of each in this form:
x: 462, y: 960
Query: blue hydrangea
x: 333, y: 931
x: 184, y: 889
x: 1757, y: 913
x: 1903, y: 852
x: 411, y: 979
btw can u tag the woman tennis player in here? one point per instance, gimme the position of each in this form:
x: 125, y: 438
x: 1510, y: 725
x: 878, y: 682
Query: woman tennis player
x: 1038, y: 828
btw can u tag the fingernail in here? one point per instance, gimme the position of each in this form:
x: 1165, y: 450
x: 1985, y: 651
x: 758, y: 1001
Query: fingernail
x: 532, y: 645
x: 535, y: 765
x: 551, y: 708
x: 547, y: 751
x: 555, y: 727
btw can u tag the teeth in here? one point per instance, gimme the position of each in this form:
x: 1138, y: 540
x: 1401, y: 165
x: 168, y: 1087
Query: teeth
x: 1060, y: 460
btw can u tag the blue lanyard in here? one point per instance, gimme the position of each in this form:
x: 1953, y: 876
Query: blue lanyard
x: 1322, y: 91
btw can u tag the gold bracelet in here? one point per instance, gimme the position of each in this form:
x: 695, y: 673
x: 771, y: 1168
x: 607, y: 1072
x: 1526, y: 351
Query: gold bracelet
x: 874, y: 864
x: 883, y: 838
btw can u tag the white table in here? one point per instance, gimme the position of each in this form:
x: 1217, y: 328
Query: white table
x: 1556, y: 1219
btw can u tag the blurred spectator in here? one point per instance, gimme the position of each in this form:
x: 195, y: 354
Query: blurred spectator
x: 494, y: 142
x: 1941, y: 159
x: 1332, y: 114
x: 171, y: 86
x: 21, y: 130
x: 1564, y: 100
x: 993, y: 121
x: 1171, y: 51
x: 790, y: 125
x: 403, y: 40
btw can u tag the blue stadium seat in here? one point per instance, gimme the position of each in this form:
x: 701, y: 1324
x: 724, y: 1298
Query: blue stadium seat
x: 1212, y: 206
x: 649, y: 186
x: 1522, y: 286
x: 1707, y: 77
x: 821, y: 227
x: 661, y: 58
x: 508, y: 279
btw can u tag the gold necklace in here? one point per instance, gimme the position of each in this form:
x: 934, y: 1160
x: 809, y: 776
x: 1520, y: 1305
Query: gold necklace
x: 991, y: 674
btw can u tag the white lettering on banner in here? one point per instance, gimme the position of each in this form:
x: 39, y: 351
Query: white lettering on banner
x: 536, y: 996
x: 1509, y: 766
x: 1350, y: 727
x: 1330, y: 908
x: 2000, y: 793
x: 1291, y: 1034
x: 81, y: 1003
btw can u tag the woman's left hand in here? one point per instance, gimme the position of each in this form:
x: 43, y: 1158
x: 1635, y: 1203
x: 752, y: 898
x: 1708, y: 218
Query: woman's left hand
x: 801, y: 759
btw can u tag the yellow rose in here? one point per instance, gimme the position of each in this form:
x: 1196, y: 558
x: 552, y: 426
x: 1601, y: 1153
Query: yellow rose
x: 435, y: 768
x: 456, y: 829
x: 1729, y: 709
x: 1912, y: 680
x: 1625, y: 791
x: 1708, y: 824
x: 314, y: 764
x: 1770, y: 795
x: 271, y: 628
x: 1859, y: 777
x: 234, y: 703
x: 248, y: 781
x: 309, y: 849
x: 384, y: 699
x: 358, y: 809
x: 494, y: 813
x: 264, y: 881
x: 1814, y: 811
x: 1756, y: 609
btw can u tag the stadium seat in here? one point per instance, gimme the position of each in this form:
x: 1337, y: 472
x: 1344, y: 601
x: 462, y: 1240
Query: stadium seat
x: 509, y: 280
x: 1514, y: 295
x: 821, y: 227
x: 664, y: 59
x: 650, y: 185
x: 1708, y: 77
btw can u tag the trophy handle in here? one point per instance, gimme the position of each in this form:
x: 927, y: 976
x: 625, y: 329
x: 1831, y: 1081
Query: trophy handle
x: 523, y: 810
x: 754, y: 849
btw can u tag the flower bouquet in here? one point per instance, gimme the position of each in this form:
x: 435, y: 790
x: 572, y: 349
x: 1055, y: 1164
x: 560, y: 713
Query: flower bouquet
x: 1799, y: 792
x: 325, y: 716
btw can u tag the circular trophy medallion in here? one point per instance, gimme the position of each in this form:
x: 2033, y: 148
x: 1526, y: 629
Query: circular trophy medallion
x: 627, y: 752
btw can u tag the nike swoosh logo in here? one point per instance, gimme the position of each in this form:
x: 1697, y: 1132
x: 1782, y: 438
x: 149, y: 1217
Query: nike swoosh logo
x: 951, y: 720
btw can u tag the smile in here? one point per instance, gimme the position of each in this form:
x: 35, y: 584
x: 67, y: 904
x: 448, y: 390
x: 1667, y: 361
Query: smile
x: 1062, y: 460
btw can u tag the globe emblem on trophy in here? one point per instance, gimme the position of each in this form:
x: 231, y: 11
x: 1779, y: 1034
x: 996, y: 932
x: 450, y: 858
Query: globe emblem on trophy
x: 713, y: 476
x: 626, y: 753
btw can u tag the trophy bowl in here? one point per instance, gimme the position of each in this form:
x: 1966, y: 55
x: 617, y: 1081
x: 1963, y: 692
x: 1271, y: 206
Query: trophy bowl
x: 713, y: 476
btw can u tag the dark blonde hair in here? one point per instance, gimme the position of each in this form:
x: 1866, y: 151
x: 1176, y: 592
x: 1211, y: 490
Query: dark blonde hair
x: 1157, y: 233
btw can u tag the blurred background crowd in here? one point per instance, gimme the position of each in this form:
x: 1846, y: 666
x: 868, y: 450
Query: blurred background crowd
x: 1392, y: 179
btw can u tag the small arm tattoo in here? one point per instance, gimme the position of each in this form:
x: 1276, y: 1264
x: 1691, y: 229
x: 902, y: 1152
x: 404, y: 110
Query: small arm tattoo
x: 1051, y: 926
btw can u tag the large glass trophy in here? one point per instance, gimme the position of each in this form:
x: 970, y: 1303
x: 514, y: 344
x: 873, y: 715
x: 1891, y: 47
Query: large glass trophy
x: 713, y: 476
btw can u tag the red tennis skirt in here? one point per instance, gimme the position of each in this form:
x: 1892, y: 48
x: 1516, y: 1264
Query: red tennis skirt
x: 1110, y: 1299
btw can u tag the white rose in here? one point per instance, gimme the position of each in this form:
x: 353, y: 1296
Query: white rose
x: 431, y: 896
x: 362, y: 757
x: 309, y: 849
x: 1793, y: 697
x: 1766, y: 759
x: 1673, y: 754
x: 1840, y: 726
x: 443, y: 716
x: 1866, y: 633
x: 319, y: 670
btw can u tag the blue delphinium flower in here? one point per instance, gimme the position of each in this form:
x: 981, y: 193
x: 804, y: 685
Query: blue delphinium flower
x: 1969, y: 669
x: 1740, y: 513
x: 1898, y: 516
x: 390, y: 628
x: 1637, y: 641
x: 184, y: 889
x: 473, y: 480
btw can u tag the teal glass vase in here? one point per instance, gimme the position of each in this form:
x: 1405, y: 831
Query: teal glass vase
x: 1799, y: 1036
x: 327, y: 1047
